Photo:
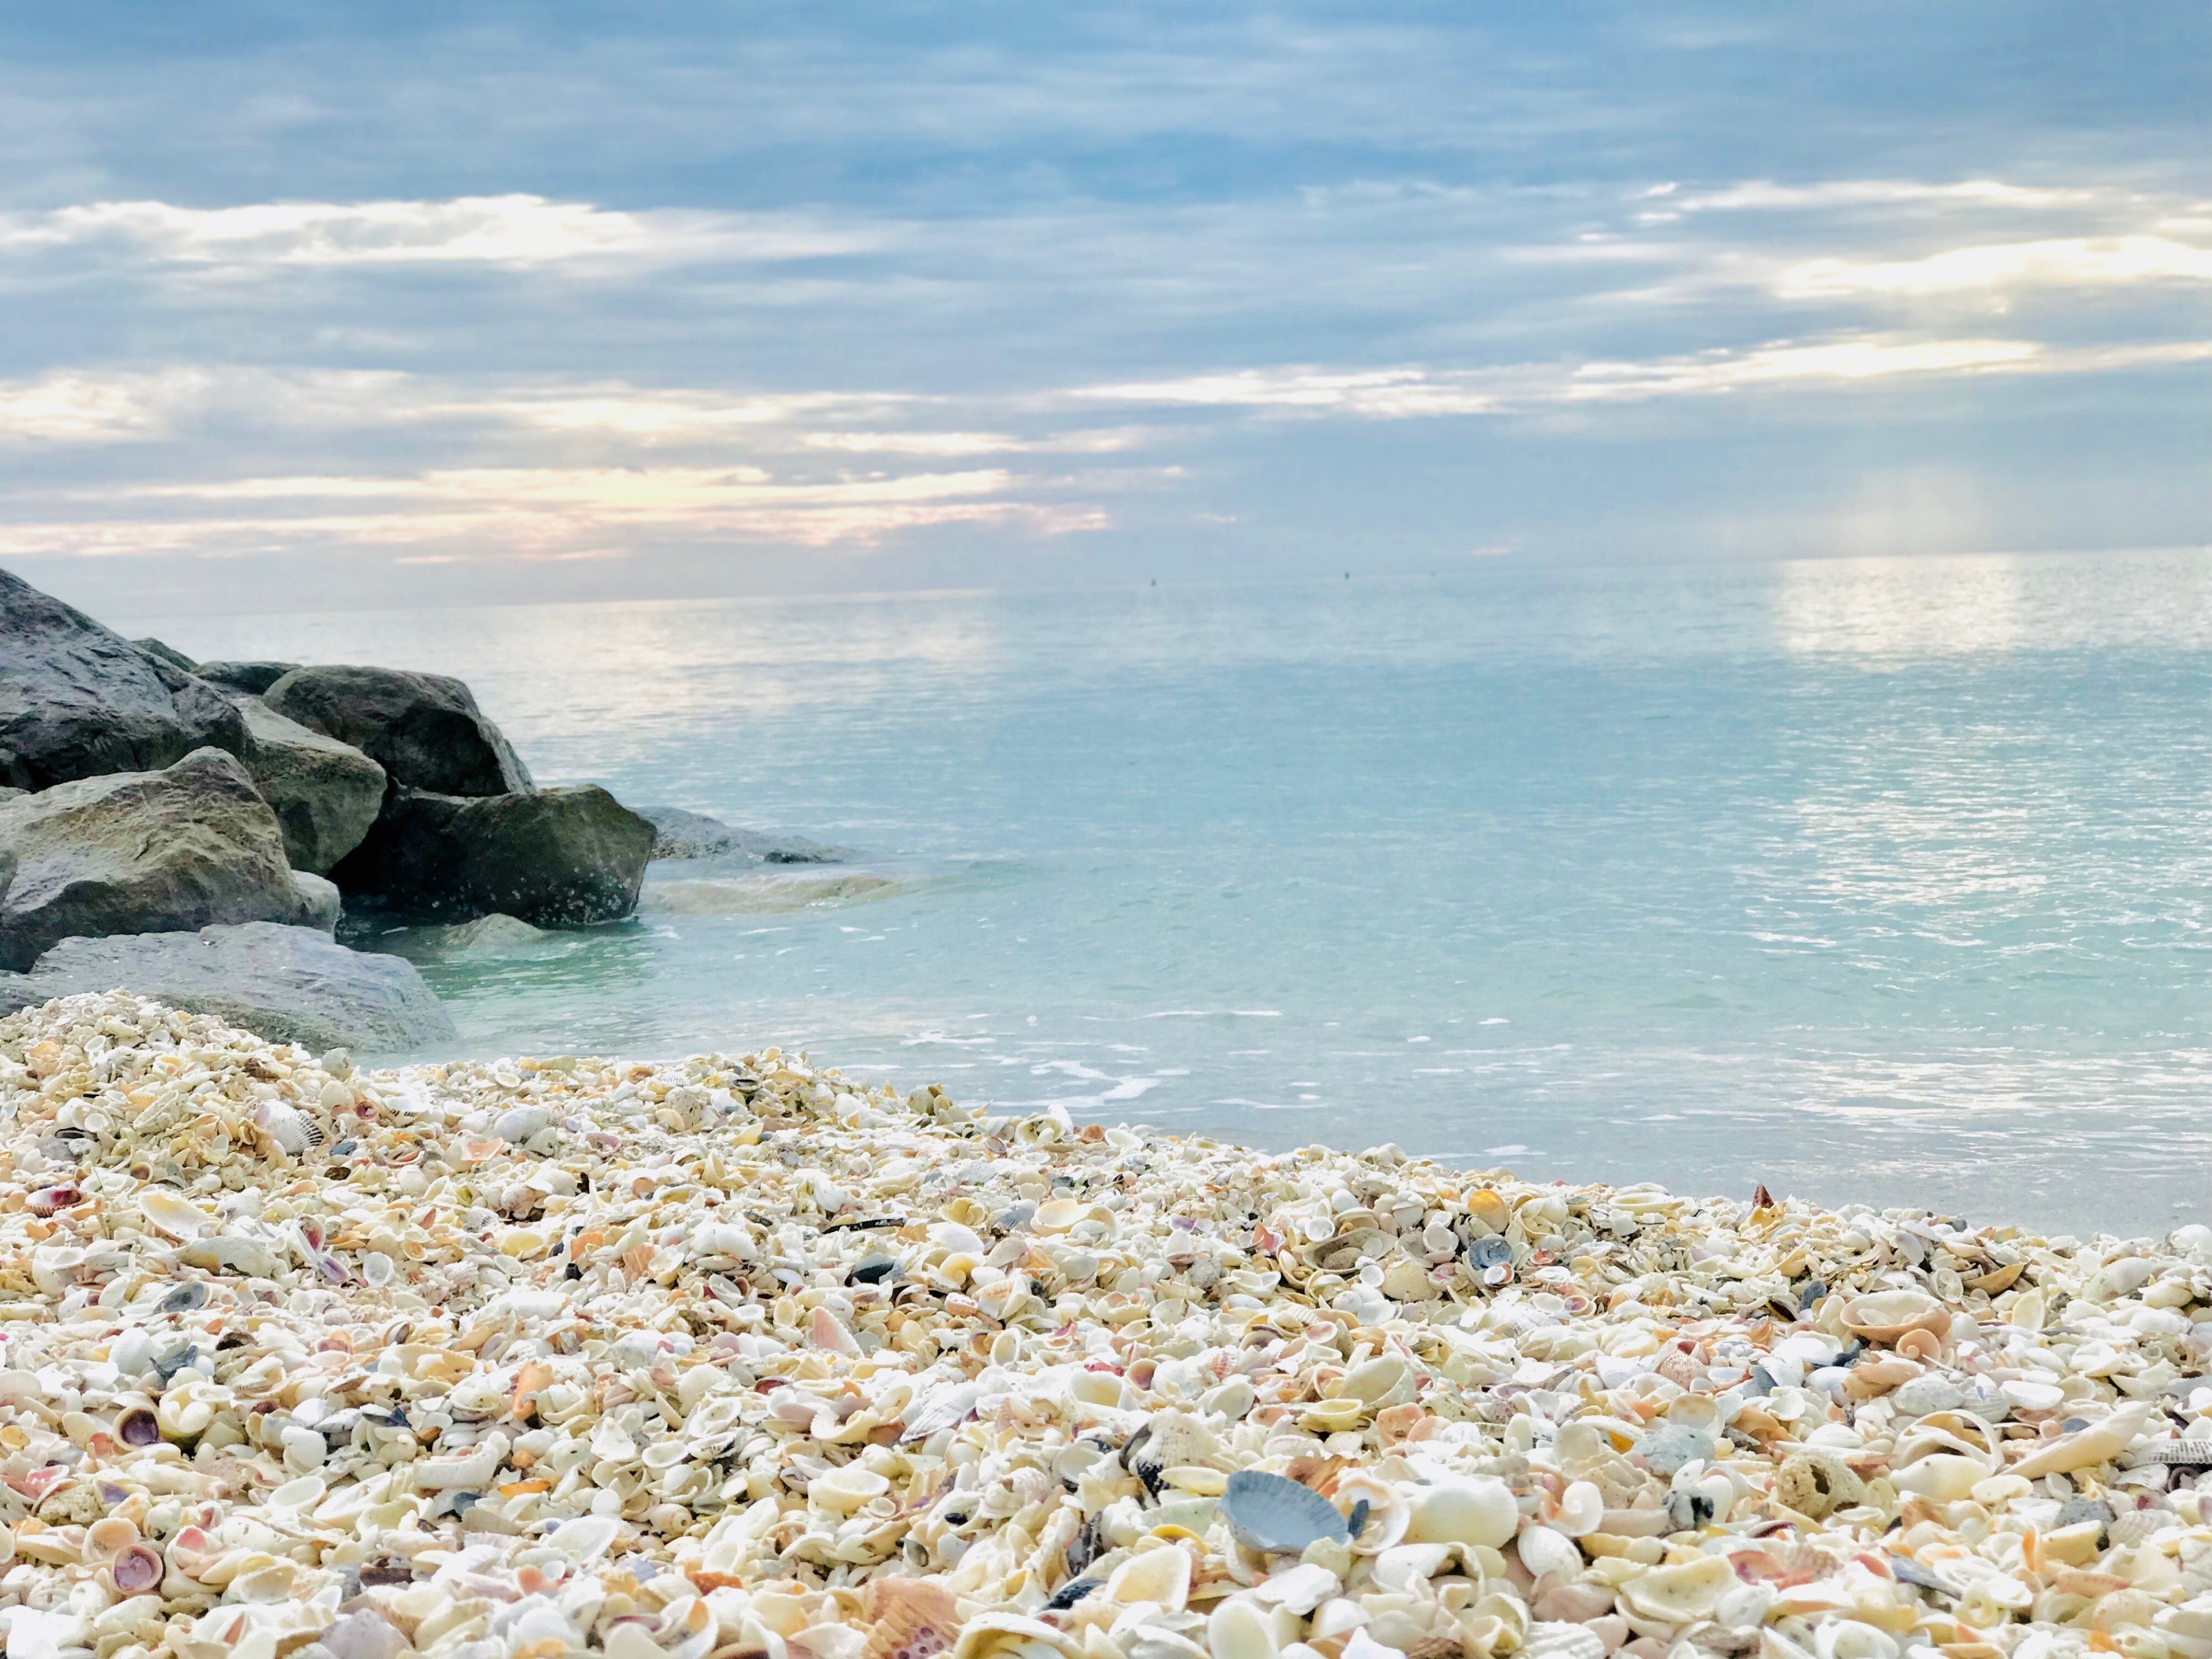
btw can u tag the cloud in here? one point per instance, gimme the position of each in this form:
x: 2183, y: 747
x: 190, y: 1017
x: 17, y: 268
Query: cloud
x: 1404, y: 392
x: 517, y: 230
x: 533, y: 512
x: 2007, y: 267
x: 92, y: 408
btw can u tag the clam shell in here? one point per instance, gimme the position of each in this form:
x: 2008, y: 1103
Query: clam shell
x: 1678, y: 1594
x: 1888, y: 1315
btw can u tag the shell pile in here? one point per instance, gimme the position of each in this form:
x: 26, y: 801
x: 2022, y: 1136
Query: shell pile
x: 735, y: 1358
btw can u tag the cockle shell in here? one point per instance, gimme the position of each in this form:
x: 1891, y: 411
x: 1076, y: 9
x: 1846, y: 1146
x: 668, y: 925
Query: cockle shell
x: 1544, y: 1551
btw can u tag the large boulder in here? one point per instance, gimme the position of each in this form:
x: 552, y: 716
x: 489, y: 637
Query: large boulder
x: 162, y: 651
x: 141, y: 852
x: 425, y: 729
x: 555, y: 857
x: 254, y: 677
x: 681, y: 835
x: 325, y: 794
x: 77, y: 700
x: 287, y: 984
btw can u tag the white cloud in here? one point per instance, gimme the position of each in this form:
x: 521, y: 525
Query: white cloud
x: 1403, y: 393
x: 87, y: 408
x: 2007, y: 267
x: 498, y: 230
x: 1766, y: 194
x: 536, y: 512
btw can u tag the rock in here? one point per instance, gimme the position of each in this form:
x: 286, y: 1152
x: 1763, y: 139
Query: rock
x: 77, y: 700
x: 425, y: 729
x: 141, y: 852
x: 167, y: 654
x: 325, y: 794
x: 287, y: 984
x: 553, y: 857
x: 320, y: 902
x: 253, y: 677
x: 681, y: 835
x: 8, y: 859
x: 491, y: 932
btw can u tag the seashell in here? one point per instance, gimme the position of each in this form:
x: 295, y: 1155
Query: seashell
x: 1275, y: 1516
x: 1678, y: 1594
x: 1369, y: 1382
x: 1888, y: 1315
x: 1673, y: 1446
x: 1941, y: 1477
x: 135, y: 1571
x: 1582, y: 1510
x: 1161, y: 1577
x: 1011, y: 1635
x: 1555, y: 1640
x: 1301, y: 1589
x: 1480, y: 1511
x: 108, y: 1537
x: 1375, y: 1510
x: 2100, y: 1442
x: 177, y: 1217
x: 908, y: 1618
x: 1544, y: 1551
x: 1239, y: 1628
x: 137, y: 1426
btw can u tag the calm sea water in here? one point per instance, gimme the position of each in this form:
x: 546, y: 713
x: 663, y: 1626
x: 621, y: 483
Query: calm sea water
x: 1878, y: 880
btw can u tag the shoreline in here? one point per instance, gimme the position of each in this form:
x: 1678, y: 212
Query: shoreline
x: 736, y: 1357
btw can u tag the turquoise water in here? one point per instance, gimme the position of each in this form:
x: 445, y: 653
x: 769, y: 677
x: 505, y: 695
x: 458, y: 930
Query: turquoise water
x: 1878, y: 880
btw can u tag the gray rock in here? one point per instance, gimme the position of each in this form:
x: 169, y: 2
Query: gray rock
x: 681, y: 835
x: 320, y: 904
x: 491, y: 932
x: 287, y: 984
x: 77, y: 700
x: 167, y: 654
x: 425, y: 729
x: 251, y: 676
x: 553, y: 857
x: 141, y: 852
x: 325, y: 793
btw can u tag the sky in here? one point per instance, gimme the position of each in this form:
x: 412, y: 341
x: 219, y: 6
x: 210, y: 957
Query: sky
x: 394, y: 303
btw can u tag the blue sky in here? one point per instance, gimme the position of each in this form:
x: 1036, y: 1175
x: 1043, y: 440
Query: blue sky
x: 400, y: 304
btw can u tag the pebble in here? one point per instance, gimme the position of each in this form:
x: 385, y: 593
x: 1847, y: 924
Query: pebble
x: 734, y: 1357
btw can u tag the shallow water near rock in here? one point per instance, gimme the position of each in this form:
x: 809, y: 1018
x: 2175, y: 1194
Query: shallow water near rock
x: 1877, y: 881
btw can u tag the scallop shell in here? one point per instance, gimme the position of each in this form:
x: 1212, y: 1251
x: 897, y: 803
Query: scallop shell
x: 1275, y: 1516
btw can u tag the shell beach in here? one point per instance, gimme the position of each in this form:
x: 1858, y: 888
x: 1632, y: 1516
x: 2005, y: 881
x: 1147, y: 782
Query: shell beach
x: 731, y: 1357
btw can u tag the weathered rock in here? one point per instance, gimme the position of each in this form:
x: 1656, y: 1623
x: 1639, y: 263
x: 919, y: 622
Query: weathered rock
x: 287, y: 984
x: 161, y: 652
x: 554, y: 858
x: 325, y: 794
x: 681, y: 835
x: 141, y: 852
x: 425, y: 729
x: 253, y: 677
x: 320, y: 904
x: 77, y: 700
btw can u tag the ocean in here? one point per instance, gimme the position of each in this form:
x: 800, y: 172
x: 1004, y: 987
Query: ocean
x: 1878, y: 881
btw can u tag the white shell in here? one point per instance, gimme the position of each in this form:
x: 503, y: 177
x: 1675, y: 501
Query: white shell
x: 1161, y: 1577
x: 1480, y: 1510
x: 1546, y: 1550
x: 1582, y: 1510
x: 1678, y: 1594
